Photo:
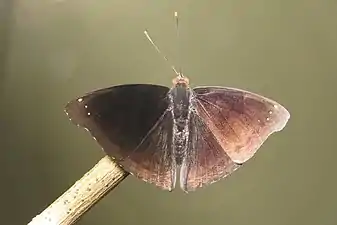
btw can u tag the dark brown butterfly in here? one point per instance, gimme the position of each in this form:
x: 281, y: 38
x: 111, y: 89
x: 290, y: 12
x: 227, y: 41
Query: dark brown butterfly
x: 153, y: 132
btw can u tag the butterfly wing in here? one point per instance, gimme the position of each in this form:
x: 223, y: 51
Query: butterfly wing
x: 153, y: 160
x: 133, y: 126
x: 206, y: 161
x: 239, y: 120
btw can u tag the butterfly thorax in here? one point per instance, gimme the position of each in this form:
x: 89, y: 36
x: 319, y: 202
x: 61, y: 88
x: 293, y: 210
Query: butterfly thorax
x: 180, y: 98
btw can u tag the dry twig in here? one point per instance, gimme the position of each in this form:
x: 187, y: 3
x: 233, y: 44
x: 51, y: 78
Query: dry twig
x: 79, y: 198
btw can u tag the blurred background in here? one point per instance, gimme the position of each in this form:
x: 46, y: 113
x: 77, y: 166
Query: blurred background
x: 53, y: 51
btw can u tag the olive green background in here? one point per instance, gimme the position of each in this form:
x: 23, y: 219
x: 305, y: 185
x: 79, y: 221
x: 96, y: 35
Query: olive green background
x: 55, y: 50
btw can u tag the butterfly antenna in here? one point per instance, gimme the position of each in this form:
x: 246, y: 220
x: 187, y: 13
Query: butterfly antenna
x: 178, y: 43
x: 158, y: 50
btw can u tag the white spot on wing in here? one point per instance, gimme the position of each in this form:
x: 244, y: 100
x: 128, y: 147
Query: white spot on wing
x: 80, y: 99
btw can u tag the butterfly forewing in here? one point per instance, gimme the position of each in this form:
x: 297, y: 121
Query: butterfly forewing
x: 131, y: 124
x: 239, y: 120
x: 206, y: 161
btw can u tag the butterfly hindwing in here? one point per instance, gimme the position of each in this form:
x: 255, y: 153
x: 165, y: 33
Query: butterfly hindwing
x: 206, y: 162
x: 132, y: 125
x: 240, y: 121
x: 153, y: 160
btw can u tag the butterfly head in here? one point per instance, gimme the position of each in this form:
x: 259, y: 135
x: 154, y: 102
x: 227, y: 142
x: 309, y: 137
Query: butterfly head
x: 180, y: 81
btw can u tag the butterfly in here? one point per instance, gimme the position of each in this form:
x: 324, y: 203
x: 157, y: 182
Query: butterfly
x: 160, y: 134
x: 155, y: 132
